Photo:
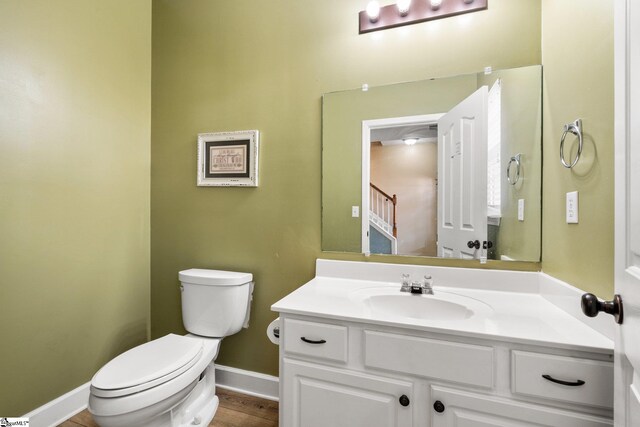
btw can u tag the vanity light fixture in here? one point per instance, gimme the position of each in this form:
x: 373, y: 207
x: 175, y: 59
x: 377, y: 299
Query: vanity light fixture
x: 410, y: 141
x: 435, y: 4
x: 403, y: 7
x: 407, y: 12
x: 373, y: 11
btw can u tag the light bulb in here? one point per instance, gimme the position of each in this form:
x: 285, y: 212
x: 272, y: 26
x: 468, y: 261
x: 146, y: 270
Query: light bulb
x: 373, y: 10
x: 410, y: 141
x: 403, y: 7
x: 435, y: 4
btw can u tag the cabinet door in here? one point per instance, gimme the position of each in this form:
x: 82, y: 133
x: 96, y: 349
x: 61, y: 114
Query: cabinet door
x: 318, y: 396
x: 463, y: 409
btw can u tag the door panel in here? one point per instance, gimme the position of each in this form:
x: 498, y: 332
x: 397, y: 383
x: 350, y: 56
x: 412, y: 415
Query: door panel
x: 465, y: 409
x: 323, y: 396
x: 627, y: 207
x: 462, y: 177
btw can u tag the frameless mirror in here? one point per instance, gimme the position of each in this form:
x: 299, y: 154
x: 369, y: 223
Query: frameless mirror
x: 448, y: 167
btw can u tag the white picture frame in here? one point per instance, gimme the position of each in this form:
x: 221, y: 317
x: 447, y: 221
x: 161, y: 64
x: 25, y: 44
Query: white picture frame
x: 228, y: 159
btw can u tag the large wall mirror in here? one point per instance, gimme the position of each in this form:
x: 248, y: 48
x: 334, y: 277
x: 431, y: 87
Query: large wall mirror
x: 448, y: 167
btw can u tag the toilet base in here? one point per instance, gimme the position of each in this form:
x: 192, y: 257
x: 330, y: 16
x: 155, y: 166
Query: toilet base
x: 201, y: 405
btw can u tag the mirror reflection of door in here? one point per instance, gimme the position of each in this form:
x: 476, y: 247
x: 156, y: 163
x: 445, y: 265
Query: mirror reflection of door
x: 462, y: 174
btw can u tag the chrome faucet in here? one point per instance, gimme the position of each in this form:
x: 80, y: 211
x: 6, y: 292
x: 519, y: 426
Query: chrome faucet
x: 415, y: 287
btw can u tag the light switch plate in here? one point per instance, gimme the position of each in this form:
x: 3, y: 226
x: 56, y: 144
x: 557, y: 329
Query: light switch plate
x: 520, y: 209
x: 572, y: 207
x: 355, y: 211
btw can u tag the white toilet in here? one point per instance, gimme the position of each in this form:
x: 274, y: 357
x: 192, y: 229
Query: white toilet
x: 170, y: 381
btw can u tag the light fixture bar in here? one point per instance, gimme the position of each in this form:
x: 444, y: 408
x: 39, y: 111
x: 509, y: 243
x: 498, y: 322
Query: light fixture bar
x: 420, y: 11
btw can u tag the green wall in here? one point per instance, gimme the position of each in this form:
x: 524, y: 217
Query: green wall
x: 74, y: 183
x: 222, y: 66
x: 578, y: 83
x: 521, y: 128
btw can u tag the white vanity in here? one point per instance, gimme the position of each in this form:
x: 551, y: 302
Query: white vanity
x: 489, y: 348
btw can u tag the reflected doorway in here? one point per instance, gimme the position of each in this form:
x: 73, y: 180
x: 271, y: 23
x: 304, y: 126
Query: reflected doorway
x: 400, y: 178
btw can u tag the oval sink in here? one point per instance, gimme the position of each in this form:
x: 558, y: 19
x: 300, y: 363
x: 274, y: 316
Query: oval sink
x: 442, y: 306
x: 418, y: 307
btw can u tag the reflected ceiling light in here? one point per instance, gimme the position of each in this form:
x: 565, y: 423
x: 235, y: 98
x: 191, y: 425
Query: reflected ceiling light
x: 403, y: 7
x: 410, y: 141
x: 435, y: 4
x: 373, y: 10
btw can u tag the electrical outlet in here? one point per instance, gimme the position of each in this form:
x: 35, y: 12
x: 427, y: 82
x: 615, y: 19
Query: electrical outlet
x: 572, y: 207
x: 355, y: 211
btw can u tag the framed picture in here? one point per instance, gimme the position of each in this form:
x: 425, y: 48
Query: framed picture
x: 228, y: 159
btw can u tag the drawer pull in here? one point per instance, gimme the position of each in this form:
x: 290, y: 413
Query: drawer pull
x: 569, y: 383
x: 313, y: 341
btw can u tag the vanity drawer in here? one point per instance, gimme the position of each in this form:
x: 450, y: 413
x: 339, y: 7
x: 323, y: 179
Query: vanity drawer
x: 314, y: 339
x: 527, y: 370
x: 444, y: 360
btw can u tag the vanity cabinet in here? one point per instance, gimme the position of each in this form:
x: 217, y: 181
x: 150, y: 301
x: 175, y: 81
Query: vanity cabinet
x: 460, y: 408
x: 349, y: 374
x: 321, y: 396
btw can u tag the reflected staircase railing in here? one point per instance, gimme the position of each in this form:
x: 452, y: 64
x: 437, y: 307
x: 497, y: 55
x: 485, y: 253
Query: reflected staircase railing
x: 382, y: 209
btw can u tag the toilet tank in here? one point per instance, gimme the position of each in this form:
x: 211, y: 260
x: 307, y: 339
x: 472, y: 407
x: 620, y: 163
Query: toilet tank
x: 215, y: 303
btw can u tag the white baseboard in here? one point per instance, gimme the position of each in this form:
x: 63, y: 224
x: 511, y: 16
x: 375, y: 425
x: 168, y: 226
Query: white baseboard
x: 247, y: 382
x: 58, y: 410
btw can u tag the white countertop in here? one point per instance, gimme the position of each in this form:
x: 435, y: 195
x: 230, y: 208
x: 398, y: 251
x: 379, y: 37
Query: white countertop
x: 519, y: 317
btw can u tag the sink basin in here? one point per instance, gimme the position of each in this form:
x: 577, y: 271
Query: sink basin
x: 443, y: 305
x: 418, y: 307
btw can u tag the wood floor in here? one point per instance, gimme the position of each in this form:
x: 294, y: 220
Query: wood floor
x: 235, y: 410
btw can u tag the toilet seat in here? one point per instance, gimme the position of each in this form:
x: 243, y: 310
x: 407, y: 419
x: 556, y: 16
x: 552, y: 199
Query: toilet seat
x: 147, y: 366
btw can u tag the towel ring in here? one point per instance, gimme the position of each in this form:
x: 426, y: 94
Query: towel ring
x: 576, y: 129
x: 515, y: 159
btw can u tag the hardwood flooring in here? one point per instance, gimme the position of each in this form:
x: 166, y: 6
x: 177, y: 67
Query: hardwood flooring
x: 235, y: 410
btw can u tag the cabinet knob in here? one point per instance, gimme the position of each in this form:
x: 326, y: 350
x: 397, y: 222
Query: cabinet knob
x: 404, y: 400
x: 438, y: 406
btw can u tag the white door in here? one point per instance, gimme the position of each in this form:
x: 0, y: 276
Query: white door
x: 462, y: 177
x: 627, y: 224
x: 315, y: 396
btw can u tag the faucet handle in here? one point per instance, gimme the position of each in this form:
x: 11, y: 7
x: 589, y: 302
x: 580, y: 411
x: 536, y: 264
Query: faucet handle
x: 406, y: 283
x: 428, y: 284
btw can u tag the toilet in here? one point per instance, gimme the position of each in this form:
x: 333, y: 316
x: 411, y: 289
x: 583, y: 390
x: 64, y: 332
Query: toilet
x: 170, y: 381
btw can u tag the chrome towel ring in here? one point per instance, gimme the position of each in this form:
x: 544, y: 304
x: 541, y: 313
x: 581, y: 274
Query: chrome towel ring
x: 515, y: 159
x: 576, y: 129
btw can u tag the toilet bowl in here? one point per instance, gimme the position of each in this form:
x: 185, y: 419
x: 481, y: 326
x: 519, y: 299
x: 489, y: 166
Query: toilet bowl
x: 170, y: 381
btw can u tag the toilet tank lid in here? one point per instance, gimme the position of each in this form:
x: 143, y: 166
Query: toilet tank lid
x: 198, y: 276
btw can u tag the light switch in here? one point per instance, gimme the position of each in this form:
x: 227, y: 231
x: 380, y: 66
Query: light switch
x: 355, y: 211
x: 520, y: 209
x: 572, y: 207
